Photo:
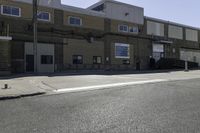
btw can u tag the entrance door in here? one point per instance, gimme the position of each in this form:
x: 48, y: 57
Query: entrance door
x: 158, y: 55
x: 29, y: 63
x: 158, y: 51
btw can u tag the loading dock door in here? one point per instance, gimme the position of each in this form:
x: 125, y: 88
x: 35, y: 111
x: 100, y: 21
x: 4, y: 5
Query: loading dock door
x: 158, y: 51
x: 29, y: 63
x: 190, y: 55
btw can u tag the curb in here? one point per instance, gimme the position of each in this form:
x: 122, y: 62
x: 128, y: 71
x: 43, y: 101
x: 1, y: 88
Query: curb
x: 3, y: 98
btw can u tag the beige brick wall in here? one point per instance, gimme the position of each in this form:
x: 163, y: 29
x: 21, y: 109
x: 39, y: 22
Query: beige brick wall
x: 5, y: 56
x: 82, y: 47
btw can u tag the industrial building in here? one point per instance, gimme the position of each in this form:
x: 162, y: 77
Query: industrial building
x: 108, y: 35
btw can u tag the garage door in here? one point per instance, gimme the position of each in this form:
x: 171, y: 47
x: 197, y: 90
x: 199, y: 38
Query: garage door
x: 190, y: 55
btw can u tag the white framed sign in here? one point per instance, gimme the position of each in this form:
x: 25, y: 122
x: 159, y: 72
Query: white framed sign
x: 122, y: 50
x: 158, y: 48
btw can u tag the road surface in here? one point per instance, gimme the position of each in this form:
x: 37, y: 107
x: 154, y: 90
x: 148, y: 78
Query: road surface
x: 166, y: 107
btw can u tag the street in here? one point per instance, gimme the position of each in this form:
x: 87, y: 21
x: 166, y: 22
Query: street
x: 165, y: 107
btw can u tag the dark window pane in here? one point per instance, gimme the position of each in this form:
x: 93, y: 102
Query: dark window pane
x: 6, y: 9
x: 123, y: 28
x: 99, y: 8
x: 75, y: 21
x: 15, y: 11
x: 46, y: 59
x: 72, y: 21
x: 11, y: 10
x: 44, y: 15
x: 77, y: 59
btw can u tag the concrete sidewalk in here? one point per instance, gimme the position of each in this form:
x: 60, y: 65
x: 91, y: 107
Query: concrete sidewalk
x: 19, y: 87
x: 29, y: 85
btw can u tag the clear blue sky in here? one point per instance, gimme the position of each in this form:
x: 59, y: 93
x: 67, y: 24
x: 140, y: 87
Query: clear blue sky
x: 181, y: 11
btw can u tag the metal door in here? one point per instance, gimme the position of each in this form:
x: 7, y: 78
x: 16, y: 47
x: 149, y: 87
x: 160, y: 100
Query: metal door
x: 29, y: 63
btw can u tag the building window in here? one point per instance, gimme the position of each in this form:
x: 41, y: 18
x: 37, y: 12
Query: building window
x: 99, y: 8
x: 123, y: 28
x: 122, y: 50
x: 46, y: 59
x: 11, y: 11
x: 133, y: 30
x: 97, y: 60
x: 75, y: 21
x: 77, y: 59
x: 44, y: 16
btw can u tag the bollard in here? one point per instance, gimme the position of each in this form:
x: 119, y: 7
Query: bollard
x: 5, y: 86
x: 186, y: 66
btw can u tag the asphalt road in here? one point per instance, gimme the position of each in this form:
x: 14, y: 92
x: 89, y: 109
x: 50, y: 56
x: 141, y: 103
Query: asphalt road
x: 168, y: 107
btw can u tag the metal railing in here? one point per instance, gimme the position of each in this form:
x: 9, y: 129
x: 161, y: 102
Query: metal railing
x: 98, y: 67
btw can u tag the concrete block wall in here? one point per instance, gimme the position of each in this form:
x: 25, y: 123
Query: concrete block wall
x: 5, y: 57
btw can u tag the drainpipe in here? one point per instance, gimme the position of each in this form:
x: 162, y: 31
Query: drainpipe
x: 186, y: 66
x: 8, y: 29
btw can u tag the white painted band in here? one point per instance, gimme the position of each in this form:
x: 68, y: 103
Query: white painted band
x: 96, y: 87
x: 5, y: 38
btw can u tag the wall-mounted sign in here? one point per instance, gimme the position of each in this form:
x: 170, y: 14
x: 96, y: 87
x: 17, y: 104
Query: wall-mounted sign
x: 158, y: 48
x: 122, y: 50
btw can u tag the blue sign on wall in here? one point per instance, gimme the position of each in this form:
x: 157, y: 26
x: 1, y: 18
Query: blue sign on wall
x: 121, y: 50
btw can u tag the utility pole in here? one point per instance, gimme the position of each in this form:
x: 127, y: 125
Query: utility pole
x: 35, y: 38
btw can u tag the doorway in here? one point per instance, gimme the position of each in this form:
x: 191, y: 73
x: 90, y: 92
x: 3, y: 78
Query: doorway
x: 29, y: 63
x: 158, y: 55
x: 158, y: 51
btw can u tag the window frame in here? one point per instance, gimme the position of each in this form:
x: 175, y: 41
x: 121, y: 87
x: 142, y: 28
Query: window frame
x: 6, y: 14
x: 77, y: 59
x: 41, y: 61
x: 99, y: 8
x: 123, y: 28
x: 49, y: 20
x: 81, y: 21
x: 132, y: 27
